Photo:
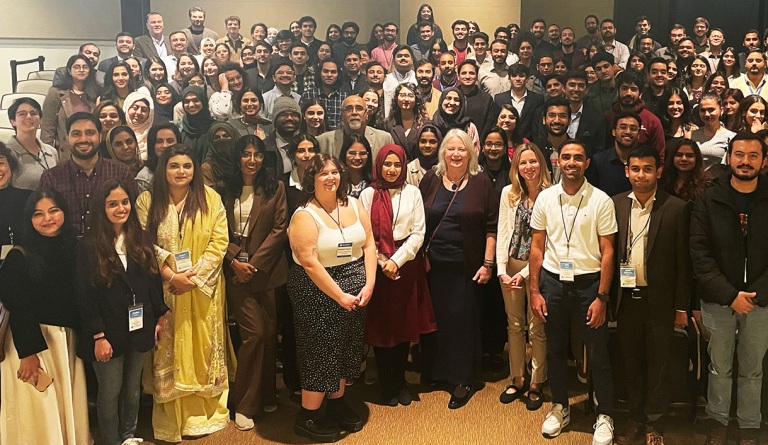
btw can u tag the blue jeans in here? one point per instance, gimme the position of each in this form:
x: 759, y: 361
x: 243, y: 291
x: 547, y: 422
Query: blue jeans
x: 117, y: 403
x: 723, y: 323
x: 566, y: 301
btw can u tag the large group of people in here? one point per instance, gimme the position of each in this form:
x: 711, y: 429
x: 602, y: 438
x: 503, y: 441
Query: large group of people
x: 431, y: 202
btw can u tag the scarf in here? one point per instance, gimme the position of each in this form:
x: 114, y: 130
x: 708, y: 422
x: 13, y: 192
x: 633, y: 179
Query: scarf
x: 164, y: 113
x: 445, y: 121
x: 382, y: 214
x: 134, y: 164
x: 219, y: 156
x: 141, y: 130
x: 427, y: 162
x: 196, y: 124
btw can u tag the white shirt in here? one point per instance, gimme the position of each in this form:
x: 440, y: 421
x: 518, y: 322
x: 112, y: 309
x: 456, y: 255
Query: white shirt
x: 595, y: 217
x: 269, y: 101
x: 120, y: 249
x: 518, y: 103
x: 620, y: 53
x: 160, y: 46
x: 410, y: 223
x: 242, y: 210
x: 573, y: 127
x: 639, y: 225
x: 170, y: 65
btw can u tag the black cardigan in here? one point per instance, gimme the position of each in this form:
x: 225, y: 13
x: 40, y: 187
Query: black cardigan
x: 105, y: 309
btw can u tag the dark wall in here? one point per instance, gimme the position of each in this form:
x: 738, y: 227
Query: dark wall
x: 734, y: 17
x: 133, y: 16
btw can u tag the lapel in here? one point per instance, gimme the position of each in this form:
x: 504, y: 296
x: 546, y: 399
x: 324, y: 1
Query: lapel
x: 124, y: 273
x: 338, y: 141
x: 255, y: 210
x: 657, y: 212
x: 623, y: 210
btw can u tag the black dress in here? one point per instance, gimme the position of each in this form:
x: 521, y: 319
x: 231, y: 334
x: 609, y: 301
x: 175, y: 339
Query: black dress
x: 12, y: 202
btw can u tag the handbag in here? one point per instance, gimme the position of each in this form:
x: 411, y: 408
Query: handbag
x: 427, y: 265
x: 5, y: 317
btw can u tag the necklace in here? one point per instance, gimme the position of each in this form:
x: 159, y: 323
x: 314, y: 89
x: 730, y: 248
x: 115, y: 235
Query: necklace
x: 457, y: 183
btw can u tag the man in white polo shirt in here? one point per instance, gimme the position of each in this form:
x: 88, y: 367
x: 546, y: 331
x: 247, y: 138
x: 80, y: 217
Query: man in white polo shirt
x: 571, y: 265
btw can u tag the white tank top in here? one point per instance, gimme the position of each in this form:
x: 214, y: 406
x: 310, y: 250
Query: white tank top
x: 329, y: 238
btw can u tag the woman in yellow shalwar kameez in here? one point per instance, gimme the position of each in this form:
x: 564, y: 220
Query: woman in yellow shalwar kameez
x: 189, y: 369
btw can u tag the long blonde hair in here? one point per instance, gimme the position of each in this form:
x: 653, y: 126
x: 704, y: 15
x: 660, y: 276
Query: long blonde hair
x: 473, y: 167
x: 519, y: 189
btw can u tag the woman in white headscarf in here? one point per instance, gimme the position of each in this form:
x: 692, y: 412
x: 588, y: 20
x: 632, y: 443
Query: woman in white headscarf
x: 139, y: 111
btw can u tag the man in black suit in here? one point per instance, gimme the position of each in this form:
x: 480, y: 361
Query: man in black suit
x: 155, y: 44
x: 651, y: 291
x: 554, y: 120
x: 525, y: 102
x: 125, y: 46
x: 587, y: 124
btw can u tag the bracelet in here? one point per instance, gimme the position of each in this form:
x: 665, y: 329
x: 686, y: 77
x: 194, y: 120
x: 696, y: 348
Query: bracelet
x: 103, y: 337
x: 172, y: 275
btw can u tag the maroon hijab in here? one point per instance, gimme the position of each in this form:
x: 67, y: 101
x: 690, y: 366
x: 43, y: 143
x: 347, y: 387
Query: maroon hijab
x: 382, y: 214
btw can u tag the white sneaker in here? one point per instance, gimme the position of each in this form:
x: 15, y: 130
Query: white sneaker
x: 243, y: 422
x: 556, y: 420
x: 132, y: 441
x: 603, y: 430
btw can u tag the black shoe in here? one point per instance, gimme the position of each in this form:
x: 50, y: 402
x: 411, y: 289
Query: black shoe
x: 510, y: 394
x: 460, y: 396
x: 317, y: 430
x: 341, y: 414
x: 534, y: 400
x: 404, y: 397
x: 389, y: 400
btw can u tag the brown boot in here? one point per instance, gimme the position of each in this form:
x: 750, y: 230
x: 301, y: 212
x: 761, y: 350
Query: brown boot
x: 654, y: 438
x: 718, y: 434
x: 749, y: 436
x: 631, y: 433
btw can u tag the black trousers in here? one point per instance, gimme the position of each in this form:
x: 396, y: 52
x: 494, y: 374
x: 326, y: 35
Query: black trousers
x: 391, y: 363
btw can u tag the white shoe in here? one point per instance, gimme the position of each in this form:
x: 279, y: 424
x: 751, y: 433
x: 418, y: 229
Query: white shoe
x: 132, y: 441
x: 243, y: 422
x: 603, y: 431
x: 556, y: 420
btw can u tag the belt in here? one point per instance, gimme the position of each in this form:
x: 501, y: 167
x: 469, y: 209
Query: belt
x: 583, y: 278
x: 636, y: 293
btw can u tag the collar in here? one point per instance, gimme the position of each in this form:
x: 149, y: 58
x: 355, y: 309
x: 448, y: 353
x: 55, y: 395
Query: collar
x: 648, y: 204
x: 580, y: 111
x: 75, y: 169
x: 581, y: 191
x: 293, y: 180
x: 512, y: 93
x: 160, y: 41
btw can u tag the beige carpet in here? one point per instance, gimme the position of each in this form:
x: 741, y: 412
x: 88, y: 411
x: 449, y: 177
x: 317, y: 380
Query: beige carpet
x: 483, y: 421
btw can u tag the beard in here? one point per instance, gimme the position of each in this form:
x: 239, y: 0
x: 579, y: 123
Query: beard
x: 87, y: 155
x: 745, y: 176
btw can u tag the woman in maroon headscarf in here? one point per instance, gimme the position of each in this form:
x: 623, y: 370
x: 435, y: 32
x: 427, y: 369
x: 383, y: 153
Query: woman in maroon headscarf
x: 400, y: 309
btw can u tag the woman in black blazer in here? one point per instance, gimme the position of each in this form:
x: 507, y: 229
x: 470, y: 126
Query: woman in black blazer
x: 407, y: 115
x: 120, y: 297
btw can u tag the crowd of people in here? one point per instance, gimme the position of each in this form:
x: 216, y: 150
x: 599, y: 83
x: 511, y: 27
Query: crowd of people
x: 431, y: 202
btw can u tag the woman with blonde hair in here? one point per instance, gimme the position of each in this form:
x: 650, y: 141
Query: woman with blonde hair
x: 528, y: 176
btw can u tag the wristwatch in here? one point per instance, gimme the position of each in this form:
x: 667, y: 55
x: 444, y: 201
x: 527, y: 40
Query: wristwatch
x: 604, y: 297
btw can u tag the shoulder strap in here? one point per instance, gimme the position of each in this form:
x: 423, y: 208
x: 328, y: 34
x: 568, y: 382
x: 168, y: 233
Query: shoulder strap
x: 456, y: 192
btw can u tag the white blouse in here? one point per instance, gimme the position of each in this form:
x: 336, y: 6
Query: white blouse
x: 409, y: 223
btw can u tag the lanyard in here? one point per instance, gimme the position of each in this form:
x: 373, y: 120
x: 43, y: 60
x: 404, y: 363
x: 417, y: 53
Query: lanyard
x: 338, y: 215
x: 244, y: 227
x: 759, y: 88
x: 180, y: 214
x: 568, y: 234
x: 632, y: 240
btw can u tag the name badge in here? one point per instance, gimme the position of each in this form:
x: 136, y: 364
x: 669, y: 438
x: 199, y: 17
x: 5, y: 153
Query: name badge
x: 627, y: 276
x: 344, y: 250
x: 566, y: 271
x: 183, y: 261
x: 4, y: 251
x: 135, y: 318
x: 242, y: 256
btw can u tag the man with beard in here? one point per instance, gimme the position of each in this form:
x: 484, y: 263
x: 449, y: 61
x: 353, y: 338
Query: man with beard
x: 553, y: 34
x: 555, y: 121
x: 700, y: 32
x: 403, y: 73
x: 540, y: 45
x: 125, y: 46
x: 602, y: 94
x: 430, y: 96
x: 328, y: 91
x: 495, y: 79
x: 155, y: 44
x: 260, y: 75
x: 586, y: 124
x: 544, y: 67
x: 686, y: 49
x: 754, y: 79
x: 606, y: 171
x: 283, y: 76
x: 353, y: 80
x: 447, y: 77
x: 348, y: 44
x: 729, y: 252
x: 654, y: 93
x: 460, y: 45
x: 422, y: 47
x: 354, y: 116
x: 651, y: 291
x: 619, y: 50
x: 526, y: 102
x: 287, y: 117
x: 78, y: 178
x: 647, y: 46
x: 179, y: 44
x: 479, y: 103
x: 375, y: 75
x: 751, y: 43
x: 384, y: 53
x: 592, y: 36
x: 642, y: 29
x: 675, y: 34
x: 197, y: 30
x: 565, y: 50
x: 651, y: 131
x: 92, y: 53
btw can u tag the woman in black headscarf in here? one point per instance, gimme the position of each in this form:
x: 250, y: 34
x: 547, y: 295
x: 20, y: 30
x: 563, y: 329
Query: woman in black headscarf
x: 165, y: 98
x: 426, y: 157
x: 451, y: 113
x: 196, y: 121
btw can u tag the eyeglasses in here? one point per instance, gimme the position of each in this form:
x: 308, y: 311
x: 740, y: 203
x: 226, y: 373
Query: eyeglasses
x: 404, y: 95
x: 490, y: 144
x: 81, y: 67
x: 248, y: 155
x: 354, y: 154
x: 23, y: 114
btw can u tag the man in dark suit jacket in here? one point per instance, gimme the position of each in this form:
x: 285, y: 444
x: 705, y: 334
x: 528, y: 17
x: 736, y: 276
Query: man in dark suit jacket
x: 125, y: 46
x: 652, y: 289
x: 587, y: 124
x: 145, y: 46
x: 526, y: 102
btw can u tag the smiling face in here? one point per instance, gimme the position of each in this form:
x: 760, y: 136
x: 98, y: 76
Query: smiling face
x: 451, y: 103
x: 675, y: 107
x: 120, y: 77
x: 192, y: 104
x: 529, y: 168
x: 156, y: 71
x: 109, y: 118
x: 709, y: 112
x: 138, y: 113
x: 456, y: 155
x: 573, y: 163
x: 186, y: 66
x: 324, y: 52
x: 251, y: 160
x: 626, y: 132
x: 371, y: 101
x: 468, y: 75
x: 83, y: 139
x: 250, y: 104
x: 428, y: 143
x: 746, y: 159
x: 698, y: 68
x: 507, y: 121
x: 718, y: 84
x: 48, y: 218
x: 493, y: 147
x: 391, y: 168
x: 305, y: 151
x: 684, y: 159
x: 27, y: 119
x: 556, y: 119
x: 328, y: 179
x: 125, y: 147
x: 208, y: 47
x: 356, y: 156
x: 179, y: 171
x: 210, y: 68
x: 643, y: 174
x: 165, y: 138
x: 406, y: 99
x: 755, y: 113
x: 5, y: 172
